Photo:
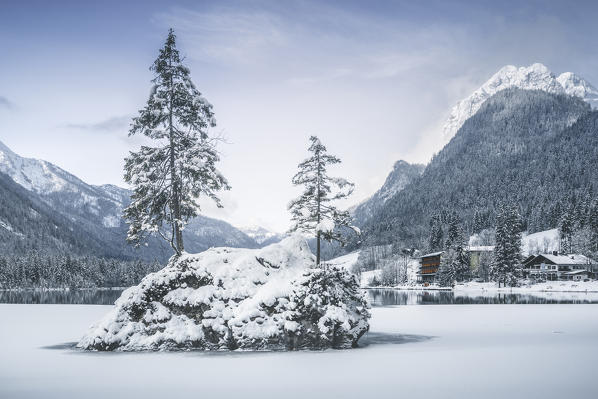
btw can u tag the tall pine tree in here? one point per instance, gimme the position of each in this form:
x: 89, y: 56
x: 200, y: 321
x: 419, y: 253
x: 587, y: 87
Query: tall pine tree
x: 566, y: 227
x: 435, y: 241
x: 454, y: 264
x: 313, y: 211
x: 169, y: 178
x: 507, y: 252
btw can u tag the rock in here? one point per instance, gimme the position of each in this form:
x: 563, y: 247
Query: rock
x: 226, y: 299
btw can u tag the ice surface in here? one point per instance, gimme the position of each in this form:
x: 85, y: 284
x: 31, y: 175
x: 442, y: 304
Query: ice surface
x: 475, y: 351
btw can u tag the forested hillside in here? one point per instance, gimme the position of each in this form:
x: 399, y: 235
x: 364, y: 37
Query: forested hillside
x: 533, y: 148
x: 29, y: 224
x: 401, y: 175
x: 60, y: 213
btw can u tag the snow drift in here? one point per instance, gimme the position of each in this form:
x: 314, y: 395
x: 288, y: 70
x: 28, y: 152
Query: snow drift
x: 228, y: 298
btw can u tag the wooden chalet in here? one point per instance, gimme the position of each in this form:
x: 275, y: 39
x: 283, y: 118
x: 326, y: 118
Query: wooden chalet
x: 559, y: 267
x: 429, y: 265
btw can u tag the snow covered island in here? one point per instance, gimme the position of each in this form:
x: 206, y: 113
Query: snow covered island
x: 227, y: 299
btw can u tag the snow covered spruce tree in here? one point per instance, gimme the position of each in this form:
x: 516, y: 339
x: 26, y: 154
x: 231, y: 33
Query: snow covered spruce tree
x: 313, y: 211
x: 507, y: 252
x: 169, y: 178
x: 454, y: 265
x: 566, y: 229
x: 435, y: 240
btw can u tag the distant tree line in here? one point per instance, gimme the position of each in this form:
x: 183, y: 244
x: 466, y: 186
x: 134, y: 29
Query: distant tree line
x: 35, y: 270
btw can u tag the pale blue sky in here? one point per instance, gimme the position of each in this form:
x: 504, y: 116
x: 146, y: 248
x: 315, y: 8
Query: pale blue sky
x: 375, y: 80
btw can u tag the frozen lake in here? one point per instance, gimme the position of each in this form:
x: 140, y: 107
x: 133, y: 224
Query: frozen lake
x: 477, y: 351
x: 377, y: 296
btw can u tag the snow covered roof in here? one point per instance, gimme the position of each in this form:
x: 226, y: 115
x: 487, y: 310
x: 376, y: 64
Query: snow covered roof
x: 481, y: 248
x: 573, y: 259
x: 432, y: 254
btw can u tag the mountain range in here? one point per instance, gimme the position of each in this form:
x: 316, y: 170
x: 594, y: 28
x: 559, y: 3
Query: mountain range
x: 525, y: 136
x: 534, y: 77
x: 261, y: 235
x: 529, y: 147
x: 64, y: 212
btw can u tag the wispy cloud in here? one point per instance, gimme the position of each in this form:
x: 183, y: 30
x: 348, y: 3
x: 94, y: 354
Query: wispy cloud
x: 326, y: 43
x: 113, y: 124
x: 6, y: 103
x: 227, y: 35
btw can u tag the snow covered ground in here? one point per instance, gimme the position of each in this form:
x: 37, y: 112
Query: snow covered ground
x: 461, y: 351
x: 368, y: 276
x: 345, y: 261
x: 541, y: 242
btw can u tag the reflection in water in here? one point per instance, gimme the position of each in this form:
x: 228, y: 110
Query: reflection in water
x: 390, y: 297
x: 378, y: 297
x: 82, y: 297
x: 380, y: 338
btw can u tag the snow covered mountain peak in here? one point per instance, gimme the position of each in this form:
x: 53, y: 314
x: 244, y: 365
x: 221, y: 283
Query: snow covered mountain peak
x: 33, y: 174
x: 261, y: 235
x: 575, y: 85
x: 534, y: 77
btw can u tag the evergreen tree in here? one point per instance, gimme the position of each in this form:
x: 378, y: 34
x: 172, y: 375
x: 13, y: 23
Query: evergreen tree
x: 445, y: 276
x: 313, y: 211
x: 593, y: 226
x: 507, y: 252
x: 566, y: 226
x: 454, y: 233
x: 169, y: 178
x: 478, y: 222
x: 435, y: 241
x: 454, y: 263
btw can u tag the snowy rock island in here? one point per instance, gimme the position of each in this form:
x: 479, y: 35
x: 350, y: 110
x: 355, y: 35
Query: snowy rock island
x: 227, y: 298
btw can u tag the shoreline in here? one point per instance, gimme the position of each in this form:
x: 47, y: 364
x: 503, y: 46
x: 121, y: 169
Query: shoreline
x: 62, y: 289
x: 562, y: 286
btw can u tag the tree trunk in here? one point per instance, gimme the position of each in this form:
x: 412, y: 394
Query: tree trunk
x: 176, y: 203
x: 176, y: 196
x: 318, y: 248
x: 319, y: 213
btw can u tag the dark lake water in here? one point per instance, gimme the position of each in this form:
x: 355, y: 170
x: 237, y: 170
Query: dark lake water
x: 82, y: 297
x: 390, y: 297
x: 378, y: 297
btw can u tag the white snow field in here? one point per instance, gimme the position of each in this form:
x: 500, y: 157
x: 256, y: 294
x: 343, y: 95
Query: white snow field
x: 345, y: 261
x: 460, y: 351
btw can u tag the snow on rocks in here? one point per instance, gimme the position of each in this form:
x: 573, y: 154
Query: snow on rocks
x: 225, y: 299
x: 533, y: 77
